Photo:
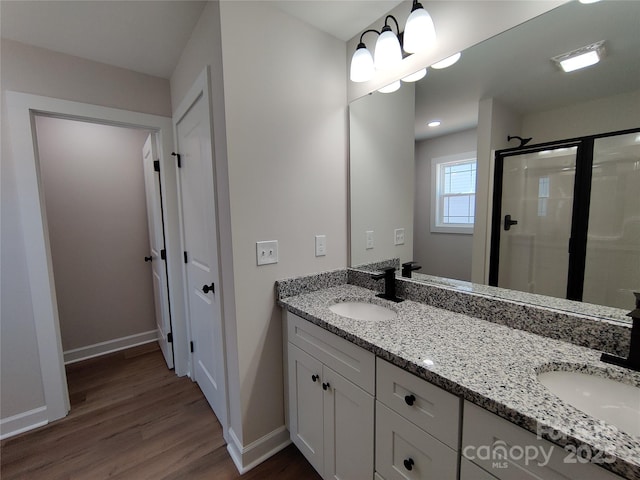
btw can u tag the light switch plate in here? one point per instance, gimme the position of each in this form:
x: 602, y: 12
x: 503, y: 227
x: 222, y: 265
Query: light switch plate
x: 398, y: 236
x: 369, y: 239
x: 267, y: 252
x: 321, y: 245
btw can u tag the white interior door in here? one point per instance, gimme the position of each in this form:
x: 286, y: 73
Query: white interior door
x: 197, y: 196
x: 156, y: 244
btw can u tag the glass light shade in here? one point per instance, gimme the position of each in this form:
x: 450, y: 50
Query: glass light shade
x: 447, y: 62
x: 419, y: 32
x: 414, y: 77
x: 388, y: 52
x: 362, y: 68
x: 392, y: 87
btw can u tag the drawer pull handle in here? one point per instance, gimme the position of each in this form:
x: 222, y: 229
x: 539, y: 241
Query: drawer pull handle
x: 408, y: 464
x: 326, y: 386
x: 315, y: 377
x: 409, y: 399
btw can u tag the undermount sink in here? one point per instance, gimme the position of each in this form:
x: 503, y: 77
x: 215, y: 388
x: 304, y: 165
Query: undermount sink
x: 358, y: 310
x: 613, y: 402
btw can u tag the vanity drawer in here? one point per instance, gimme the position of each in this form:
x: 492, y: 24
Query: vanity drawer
x: 482, y: 430
x: 404, y: 451
x: 347, y: 359
x: 429, y: 407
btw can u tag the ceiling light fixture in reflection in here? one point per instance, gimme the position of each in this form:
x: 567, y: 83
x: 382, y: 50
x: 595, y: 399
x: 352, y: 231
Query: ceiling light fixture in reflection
x: 434, y: 123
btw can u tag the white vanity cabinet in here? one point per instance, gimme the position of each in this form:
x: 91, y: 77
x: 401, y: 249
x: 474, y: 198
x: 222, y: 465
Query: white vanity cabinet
x: 417, y: 427
x: 520, y: 455
x: 331, y: 403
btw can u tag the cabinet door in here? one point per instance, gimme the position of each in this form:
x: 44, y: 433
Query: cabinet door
x: 406, y: 452
x: 305, y: 406
x: 349, y: 421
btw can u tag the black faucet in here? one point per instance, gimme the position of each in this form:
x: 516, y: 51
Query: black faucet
x: 409, y: 267
x: 389, y: 275
x: 633, y: 359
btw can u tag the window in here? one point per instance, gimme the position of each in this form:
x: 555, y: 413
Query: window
x: 453, y: 193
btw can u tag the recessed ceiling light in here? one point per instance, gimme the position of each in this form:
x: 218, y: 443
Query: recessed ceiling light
x: 581, y: 57
x: 435, y: 123
x: 447, y: 62
x: 586, y: 2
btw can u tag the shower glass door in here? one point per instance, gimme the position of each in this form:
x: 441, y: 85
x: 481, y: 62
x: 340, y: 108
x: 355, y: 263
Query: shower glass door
x: 612, y: 270
x: 535, y: 220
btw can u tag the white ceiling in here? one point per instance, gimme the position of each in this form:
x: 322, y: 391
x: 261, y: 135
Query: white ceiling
x: 148, y: 36
x: 144, y: 36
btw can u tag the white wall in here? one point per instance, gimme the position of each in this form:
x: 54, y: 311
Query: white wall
x: 441, y: 254
x: 42, y: 72
x: 286, y: 120
x: 280, y: 123
x: 381, y: 162
x: 608, y: 114
x: 94, y: 192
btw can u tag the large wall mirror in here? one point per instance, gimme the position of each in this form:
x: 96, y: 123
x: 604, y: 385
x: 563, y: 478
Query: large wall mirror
x: 507, y: 85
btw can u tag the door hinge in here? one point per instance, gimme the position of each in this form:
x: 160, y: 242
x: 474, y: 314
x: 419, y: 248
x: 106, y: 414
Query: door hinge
x: 170, y: 337
x: 191, y: 346
x: 163, y: 254
x: 185, y: 258
x: 156, y: 165
x: 177, y: 155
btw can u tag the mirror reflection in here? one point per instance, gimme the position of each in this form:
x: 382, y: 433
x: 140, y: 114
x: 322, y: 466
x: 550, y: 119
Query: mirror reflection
x: 505, y: 86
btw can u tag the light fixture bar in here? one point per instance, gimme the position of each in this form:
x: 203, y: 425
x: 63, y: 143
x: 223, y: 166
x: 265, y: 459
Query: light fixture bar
x: 581, y: 57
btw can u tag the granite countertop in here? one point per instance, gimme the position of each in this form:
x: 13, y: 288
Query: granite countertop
x: 491, y: 365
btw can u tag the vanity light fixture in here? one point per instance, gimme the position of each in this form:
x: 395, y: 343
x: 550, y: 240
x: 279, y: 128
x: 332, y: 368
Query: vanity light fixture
x: 581, y: 57
x: 414, y: 77
x: 392, y: 87
x: 419, y: 34
x: 447, y: 62
x: 434, y: 123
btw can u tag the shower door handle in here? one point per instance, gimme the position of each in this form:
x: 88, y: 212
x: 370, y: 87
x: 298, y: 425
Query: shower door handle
x: 508, y: 222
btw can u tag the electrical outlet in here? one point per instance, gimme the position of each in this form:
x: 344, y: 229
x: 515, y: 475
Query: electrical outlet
x: 267, y: 252
x: 369, y: 239
x: 398, y: 236
x: 321, y: 245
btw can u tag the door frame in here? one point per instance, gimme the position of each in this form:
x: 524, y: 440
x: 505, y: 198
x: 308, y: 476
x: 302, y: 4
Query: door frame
x: 21, y: 109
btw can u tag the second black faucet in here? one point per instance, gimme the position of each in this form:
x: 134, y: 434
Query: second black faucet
x: 389, y: 275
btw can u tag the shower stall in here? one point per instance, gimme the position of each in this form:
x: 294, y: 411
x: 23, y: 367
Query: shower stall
x: 566, y: 219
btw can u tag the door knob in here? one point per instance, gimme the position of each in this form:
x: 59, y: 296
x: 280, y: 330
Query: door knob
x: 508, y: 222
x: 326, y: 386
x: 208, y: 288
x: 315, y: 377
x: 148, y: 259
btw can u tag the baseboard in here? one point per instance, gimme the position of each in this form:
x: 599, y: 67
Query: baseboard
x: 23, y: 422
x: 246, y: 458
x: 110, y: 346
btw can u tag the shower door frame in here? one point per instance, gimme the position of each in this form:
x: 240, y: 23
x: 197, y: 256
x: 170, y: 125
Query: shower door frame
x: 580, y: 208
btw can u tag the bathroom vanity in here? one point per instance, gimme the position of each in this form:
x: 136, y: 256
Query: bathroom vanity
x: 431, y: 393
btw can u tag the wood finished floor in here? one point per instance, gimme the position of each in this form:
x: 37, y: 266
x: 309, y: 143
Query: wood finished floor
x: 132, y: 418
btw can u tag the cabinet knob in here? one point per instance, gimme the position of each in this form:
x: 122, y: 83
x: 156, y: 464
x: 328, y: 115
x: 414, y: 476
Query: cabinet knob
x: 409, y: 399
x: 326, y: 386
x: 315, y: 377
x: 209, y: 288
x: 148, y: 259
x: 408, y: 464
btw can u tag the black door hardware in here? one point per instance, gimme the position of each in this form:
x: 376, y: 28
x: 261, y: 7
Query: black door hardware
x: 208, y: 288
x: 177, y: 155
x: 326, y: 386
x: 409, y: 399
x: 508, y: 222
x: 408, y: 464
x: 148, y: 259
x: 315, y: 377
